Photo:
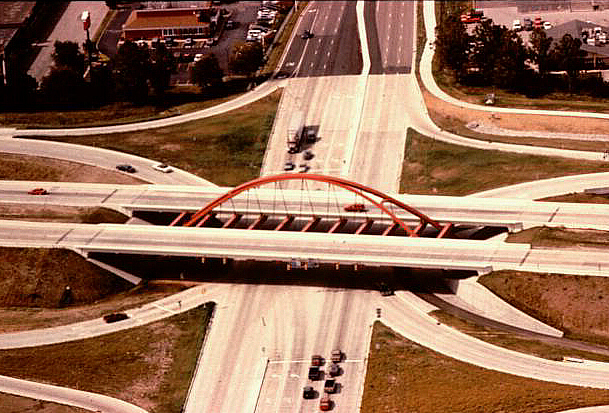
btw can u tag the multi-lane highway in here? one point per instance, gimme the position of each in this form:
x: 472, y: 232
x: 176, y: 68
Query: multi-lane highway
x: 328, y: 203
x: 333, y: 49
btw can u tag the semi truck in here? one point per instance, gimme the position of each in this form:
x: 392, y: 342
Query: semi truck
x: 295, y: 131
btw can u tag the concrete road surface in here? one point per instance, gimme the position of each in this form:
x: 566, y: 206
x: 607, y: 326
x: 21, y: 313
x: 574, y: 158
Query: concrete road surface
x: 258, y: 352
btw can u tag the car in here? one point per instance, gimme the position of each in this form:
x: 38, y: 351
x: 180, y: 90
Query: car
x: 307, y: 155
x: 198, y: 57
x: 489, y: 99
x: 385, y: 290
x: 314, y: 373
x: 516, y: 26
x: 330, y: 386
x: 547, y: 25
x: 230, y: 24
x: 355, y: 208
x: 161, y: 167
x: 527, y: 24
x: 325, y: 403
x: 38, y: 191
x: 317, y: 360
x: 188, y: 42
x: 289, y: 166
x: 114, y: 317
x: 337, y: 356
x: 306, y: 34
x: 334, y: 370
x: 308, y: 392
x: 169, y: 42
x: 304, y: 168
x: 537, y: 22
x: 124, y: 167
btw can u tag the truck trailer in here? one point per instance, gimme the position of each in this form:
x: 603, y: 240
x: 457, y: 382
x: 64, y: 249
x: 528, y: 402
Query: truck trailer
x: 295, y: 131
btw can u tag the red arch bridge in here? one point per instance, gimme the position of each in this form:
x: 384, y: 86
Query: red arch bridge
x: 313, y: 203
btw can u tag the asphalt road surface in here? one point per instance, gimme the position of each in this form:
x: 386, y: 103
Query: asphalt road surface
x: 334, y: 48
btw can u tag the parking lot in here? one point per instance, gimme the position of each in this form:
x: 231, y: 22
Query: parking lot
x: 505, y: 16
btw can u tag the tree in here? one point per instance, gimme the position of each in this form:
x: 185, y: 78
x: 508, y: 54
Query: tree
x: 246, y: 58
x: 131, y: 70
x: 207, y: 72
x: 510, y: 68
x: 162, y: 65
x: 452, y: 44
x: 540, y: 50
x: 68, y: 55
x: 64, y: 86
x: 489, y: 39
x: 567, y: 55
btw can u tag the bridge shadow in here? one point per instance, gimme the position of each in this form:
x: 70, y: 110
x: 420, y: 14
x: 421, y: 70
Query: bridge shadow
x: 150, y: 267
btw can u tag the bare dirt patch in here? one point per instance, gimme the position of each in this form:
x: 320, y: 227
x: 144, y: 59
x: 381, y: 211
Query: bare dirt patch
x: 515, y: 121
x: 578, y: 305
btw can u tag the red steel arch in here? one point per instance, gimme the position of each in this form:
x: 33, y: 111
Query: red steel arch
x: 359, y: 189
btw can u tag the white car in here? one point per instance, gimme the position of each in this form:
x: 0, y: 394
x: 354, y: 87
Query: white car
x: 198, y: 57
x: 547, y: 25
x: 516, y: 26
x: 161, y: 167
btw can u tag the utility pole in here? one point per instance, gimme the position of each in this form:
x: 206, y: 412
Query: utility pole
x: 85, y: 17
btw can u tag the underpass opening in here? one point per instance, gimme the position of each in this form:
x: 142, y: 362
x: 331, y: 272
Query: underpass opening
x: 218, y: 270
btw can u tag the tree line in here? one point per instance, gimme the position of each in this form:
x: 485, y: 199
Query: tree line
x: 136, y: 74
x: 493, y: 55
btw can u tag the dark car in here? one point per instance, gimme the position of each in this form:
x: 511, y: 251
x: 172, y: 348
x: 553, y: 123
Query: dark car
x: 314, y: 373
x: 306, y: 34
x: 334, y: 370
x: 330, y: 386
x: 308, y: 392
x: 289, y: 165
x: 527, y: 24
x: 307, y: 155
x: 114, y: 317
x: 124, y: 167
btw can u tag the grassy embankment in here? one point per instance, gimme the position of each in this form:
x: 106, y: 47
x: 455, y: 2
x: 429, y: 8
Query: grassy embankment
x: 150, y: 366
x: 406, y: 377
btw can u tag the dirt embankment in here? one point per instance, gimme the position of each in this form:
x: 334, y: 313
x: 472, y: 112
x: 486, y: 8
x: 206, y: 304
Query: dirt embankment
x: 40, y: 277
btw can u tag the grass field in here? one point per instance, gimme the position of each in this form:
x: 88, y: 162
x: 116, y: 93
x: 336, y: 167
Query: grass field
x: 403, y: 376
x: 435, y: 167
x: 150, y: 366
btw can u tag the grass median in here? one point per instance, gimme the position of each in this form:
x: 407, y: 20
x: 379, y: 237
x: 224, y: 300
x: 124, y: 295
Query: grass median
x: 435, y: 167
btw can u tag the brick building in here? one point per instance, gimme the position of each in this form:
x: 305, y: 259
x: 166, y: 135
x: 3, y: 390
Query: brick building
x: 177, y: 23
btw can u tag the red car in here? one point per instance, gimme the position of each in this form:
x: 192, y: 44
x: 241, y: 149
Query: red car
x: 38, y: 191
x: 355, y: 208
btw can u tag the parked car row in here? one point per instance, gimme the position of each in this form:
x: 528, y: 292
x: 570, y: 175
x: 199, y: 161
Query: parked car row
x: 528, y: 24
x: 330, y: 384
